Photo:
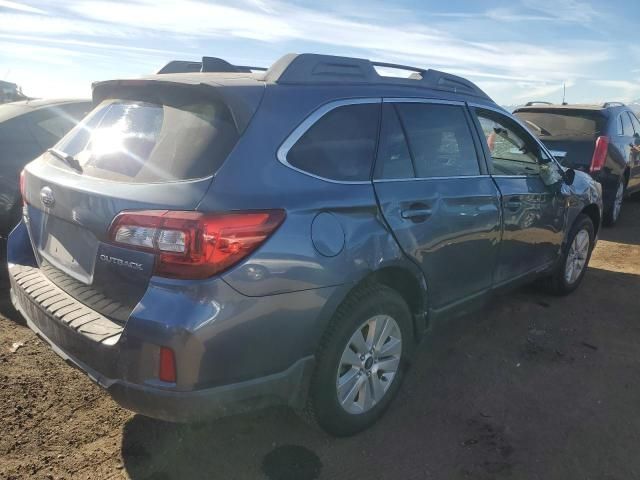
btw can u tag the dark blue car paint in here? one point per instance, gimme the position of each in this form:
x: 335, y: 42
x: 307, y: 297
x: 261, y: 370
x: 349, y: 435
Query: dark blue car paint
x: 230, y: 330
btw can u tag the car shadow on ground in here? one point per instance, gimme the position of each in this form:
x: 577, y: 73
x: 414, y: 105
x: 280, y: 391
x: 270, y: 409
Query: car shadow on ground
x: 627, y: 229
x: 522, y: 389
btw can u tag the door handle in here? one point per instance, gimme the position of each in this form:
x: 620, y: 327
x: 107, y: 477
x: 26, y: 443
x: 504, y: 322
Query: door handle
x: 416, y: 214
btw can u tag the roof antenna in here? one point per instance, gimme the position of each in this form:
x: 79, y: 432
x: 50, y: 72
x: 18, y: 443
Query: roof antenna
x: 564, y: 92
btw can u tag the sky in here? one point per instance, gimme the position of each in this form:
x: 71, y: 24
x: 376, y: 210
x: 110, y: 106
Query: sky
x: 517, y: 50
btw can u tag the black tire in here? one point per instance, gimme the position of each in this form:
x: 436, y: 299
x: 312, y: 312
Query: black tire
x: 610, y: 218
x: 323, y: 406
x: 559, y: 284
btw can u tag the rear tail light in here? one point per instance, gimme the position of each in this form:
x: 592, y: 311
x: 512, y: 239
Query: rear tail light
x: 599, y: 154
x: 167, y: 370
x: 194, y: 245
x: 23, y: 191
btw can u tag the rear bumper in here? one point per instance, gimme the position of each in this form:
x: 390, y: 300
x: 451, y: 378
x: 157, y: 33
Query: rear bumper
x: 285, y: 388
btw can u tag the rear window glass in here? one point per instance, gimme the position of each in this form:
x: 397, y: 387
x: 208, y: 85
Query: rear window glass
x: 563, y: 124
x: 141, y: 142
x: 339, y: 146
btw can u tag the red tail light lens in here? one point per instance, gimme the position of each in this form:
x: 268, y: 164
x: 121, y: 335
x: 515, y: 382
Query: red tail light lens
x: 599, y: 154
x: 194, y: 245
x: 167, y: 370
x: 23, y: 191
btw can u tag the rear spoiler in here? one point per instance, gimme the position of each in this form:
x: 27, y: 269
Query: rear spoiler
x: 208, y: 64
x: 242, y: 100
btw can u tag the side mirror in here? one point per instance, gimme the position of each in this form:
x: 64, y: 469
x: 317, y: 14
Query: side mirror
x: 569, y: 176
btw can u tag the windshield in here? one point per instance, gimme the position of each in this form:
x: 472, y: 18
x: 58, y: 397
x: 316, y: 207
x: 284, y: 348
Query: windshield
x: 142, y: 142
x: 563, y: 123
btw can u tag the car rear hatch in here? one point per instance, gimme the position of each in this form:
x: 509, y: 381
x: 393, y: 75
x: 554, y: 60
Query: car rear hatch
x: 569, y: 133
x: 148, y: 145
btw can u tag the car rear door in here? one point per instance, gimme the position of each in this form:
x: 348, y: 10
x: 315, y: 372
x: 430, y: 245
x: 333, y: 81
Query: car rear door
x: 437, y: 197
x: 533, y: 209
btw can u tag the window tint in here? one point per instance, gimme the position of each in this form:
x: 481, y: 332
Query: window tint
x: 439, y: 140
x: 627, y: 128
x: 513, y: 152
x: 636, y: 123
x: 142, y: 142
x: 49, y: 125
x: 547, y: 124
x: 340, y: 145
x: 394, y: 160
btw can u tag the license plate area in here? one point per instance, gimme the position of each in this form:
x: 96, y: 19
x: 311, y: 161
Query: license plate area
x: 69, y: 247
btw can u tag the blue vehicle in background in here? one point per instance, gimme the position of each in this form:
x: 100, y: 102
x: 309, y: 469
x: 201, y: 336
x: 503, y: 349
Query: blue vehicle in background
x: 210, y: 242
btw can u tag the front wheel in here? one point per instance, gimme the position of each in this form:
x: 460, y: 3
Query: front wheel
x: 361, y: 361
x: 576, y: 254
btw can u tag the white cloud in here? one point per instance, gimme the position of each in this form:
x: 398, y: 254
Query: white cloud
x: 627, y: 91
x: 21, y: 7
x: 576, y: 11
x: 511, y: 64
x: 280, y: 22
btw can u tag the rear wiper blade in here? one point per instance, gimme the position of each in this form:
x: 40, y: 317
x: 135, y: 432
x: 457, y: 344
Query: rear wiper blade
x: 66, y: 158
x: 542, y: 131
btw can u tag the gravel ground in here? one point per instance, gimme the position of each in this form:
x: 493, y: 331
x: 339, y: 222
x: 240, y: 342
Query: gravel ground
x: 533, y: 387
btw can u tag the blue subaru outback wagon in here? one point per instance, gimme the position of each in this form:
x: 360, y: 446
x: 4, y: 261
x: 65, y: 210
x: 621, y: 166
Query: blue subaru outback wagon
x: 209, y: 242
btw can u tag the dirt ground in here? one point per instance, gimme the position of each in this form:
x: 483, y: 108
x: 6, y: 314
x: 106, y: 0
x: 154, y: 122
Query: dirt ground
x: 533, y: 387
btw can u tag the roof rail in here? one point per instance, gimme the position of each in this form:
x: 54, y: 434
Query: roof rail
x: 536, y: 102
x: 612, y: 104
x: 208, y: 64
x: 310, y: 68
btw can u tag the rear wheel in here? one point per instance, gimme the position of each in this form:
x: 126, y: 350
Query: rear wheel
x: 575, y: 257
x: 613, y: 212
x: 361, y: 361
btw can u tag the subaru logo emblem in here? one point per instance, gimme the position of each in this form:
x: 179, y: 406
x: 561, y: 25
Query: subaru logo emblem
x: 46, y: 197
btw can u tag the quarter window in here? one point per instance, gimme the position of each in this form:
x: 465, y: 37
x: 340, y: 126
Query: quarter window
x: 341, y: 145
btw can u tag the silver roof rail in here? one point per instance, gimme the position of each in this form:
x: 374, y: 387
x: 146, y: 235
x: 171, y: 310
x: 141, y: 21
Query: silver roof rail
x: 310, y: 68
x: 612, y: 104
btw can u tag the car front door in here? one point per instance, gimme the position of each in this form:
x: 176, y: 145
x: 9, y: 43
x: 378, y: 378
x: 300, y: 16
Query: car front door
x: 437, y: 197
x: 533, y: 207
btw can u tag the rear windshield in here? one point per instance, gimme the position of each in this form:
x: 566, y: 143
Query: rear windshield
x: 142, y: 142
x: 563, y: 124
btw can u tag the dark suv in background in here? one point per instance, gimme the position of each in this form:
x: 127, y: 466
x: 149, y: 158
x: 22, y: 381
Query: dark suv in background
x: 28, y: 128
x: 602, y: 140
x: 208, y: 242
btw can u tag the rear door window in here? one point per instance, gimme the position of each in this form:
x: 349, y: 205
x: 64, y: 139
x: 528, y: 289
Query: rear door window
x: 635, y: 122
x: 439, y: 139
x: 142, y: 142
x: 394, y: 160
x: 627, y: 128
x: 340, y: 145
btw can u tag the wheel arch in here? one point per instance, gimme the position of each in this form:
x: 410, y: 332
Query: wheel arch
x: 409, y: 284
x: 593, y: 212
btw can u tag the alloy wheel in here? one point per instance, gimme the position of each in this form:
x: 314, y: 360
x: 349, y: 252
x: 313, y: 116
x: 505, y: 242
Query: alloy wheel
x: 577, y: 256
x: 369, y: 364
